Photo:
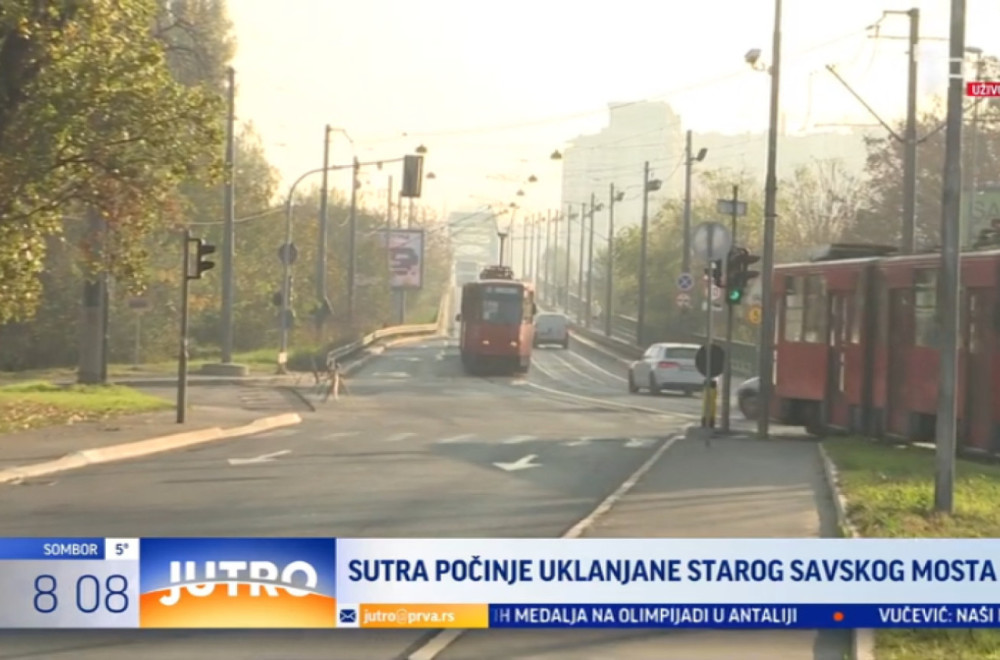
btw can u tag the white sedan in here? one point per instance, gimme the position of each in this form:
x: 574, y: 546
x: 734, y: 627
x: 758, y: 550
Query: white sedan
x: 666, y: 366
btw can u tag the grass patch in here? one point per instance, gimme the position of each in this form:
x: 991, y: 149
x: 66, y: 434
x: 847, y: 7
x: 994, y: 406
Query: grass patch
x: 33, y: 404
x: 890, y: 494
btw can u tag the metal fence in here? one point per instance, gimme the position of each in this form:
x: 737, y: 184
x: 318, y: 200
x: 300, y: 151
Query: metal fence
x: 623, y: 334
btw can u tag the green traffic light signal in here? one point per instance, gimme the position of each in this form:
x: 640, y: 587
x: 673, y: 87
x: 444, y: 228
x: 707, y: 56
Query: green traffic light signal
x: 735, y: 296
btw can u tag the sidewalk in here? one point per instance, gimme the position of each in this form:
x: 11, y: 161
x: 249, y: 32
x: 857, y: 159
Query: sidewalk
x: 50, y: 443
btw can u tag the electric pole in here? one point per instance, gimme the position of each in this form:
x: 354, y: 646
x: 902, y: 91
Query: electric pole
x: 688, y: 165
x: 951, y: 203
x: 609, y: 280
x: 321, y: 294
x: 910, y: 158
x: 548, y: 257
x: 766, y: 355
x: 590, y: 264
x: 229, y: 237
x: 352, y: 237
x: 569, y: 256
x: 579, y: 278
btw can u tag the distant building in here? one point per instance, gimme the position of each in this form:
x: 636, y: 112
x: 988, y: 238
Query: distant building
x: 636, y: 133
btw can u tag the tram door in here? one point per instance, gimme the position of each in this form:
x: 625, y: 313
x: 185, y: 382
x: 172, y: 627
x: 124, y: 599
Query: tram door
x: 977, y: 421
x: 837, y: 407
x: 900, y: 341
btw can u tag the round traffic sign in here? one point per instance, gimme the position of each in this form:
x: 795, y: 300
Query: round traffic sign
x: 718, y: 361
x: 716, y: 292
x: 288, y: 253
x: 753, y: 315
x: 711, y: 241
x: 685, y: 282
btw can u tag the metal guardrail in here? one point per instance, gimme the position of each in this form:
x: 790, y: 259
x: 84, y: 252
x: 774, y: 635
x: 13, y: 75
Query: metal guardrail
x: 623, y: 338
x: 398, y: 331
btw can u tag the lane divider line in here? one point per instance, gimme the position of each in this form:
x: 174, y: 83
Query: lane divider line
x: 442, y: 640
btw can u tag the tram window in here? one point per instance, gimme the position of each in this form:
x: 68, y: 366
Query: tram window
x: 793, y: 309
x: 528, y: 312
x: 925, y: 308
x: 882, y: 311
x: 859, y: 307
x: 814, y: 325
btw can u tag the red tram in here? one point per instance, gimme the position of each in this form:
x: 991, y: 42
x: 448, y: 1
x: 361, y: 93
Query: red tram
x: 496, y: 323
x: 856, y: 345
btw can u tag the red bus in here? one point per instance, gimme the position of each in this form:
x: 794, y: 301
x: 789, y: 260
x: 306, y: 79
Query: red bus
x: 857, y: 346
x: 496, y: 323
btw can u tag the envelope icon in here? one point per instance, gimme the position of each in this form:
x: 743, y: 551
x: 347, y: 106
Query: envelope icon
x: 349, y: 616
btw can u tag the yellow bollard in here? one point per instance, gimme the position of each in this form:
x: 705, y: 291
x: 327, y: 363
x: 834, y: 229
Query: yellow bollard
x: 710, y: 398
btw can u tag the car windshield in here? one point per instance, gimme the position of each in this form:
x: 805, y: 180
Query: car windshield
x: 682, y: 353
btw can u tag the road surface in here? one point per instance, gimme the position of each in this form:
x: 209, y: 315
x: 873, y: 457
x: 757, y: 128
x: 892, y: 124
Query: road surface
x: 414, y: 449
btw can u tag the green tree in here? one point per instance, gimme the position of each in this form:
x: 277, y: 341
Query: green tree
x: 89, y: 117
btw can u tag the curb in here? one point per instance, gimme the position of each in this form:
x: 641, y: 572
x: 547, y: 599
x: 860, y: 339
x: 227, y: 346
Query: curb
x: 157, y: 445
x: 862, y: 640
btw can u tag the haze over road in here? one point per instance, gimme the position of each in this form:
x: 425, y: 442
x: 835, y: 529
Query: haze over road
x: 416, y: 449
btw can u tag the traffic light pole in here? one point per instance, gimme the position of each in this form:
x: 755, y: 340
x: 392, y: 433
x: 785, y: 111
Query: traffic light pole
x: 182, y: 355
x: 727, y: 374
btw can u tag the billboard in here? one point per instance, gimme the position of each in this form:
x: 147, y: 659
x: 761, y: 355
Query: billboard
x: 406, y: 258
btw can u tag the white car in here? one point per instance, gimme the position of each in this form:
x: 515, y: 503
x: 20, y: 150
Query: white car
x: 551, y: 328
x: 666, y: 366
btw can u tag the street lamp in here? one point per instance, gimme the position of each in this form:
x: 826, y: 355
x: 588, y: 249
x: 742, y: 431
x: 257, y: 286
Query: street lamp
x: 421, y: 150
x: 649, y: 185
x: 689, y: 161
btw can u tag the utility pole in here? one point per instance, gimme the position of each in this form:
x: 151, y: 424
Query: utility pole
x: 579, y: 278
x: 766, y: 355
x: 590, y: 263
x: 910, y: 158
x: 640, y: 334
x: 182, y: 353
x: 95, y: 299
x: 229, y: 237
x: 973, y: 174
x: 688, y: 166
x: 951, y: 203
x: 524, y: 245
x: 352, y: 237
x: 548, y: 257
x: 569, y: 255
x: 321, y: 249
x: 609, y: 277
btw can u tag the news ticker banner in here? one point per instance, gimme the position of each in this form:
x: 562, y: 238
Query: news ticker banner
x: 198, y: 583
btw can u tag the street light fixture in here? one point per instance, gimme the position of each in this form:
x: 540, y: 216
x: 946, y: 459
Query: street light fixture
x: 421, y: 150
x: 532, y: 179
x: 556, y: 155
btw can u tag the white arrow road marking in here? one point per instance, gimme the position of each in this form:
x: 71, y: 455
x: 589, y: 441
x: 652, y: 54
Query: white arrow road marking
x: 399, y: 436
x: 391, y: 374
x: 518, y: 439
x: 520, y: 464
x: 456, y: 438
x: 266, y: 458
x: 637, y: 442
x: 581, y: 441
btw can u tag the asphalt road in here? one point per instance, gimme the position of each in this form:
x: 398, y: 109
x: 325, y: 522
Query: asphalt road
x: 413, y: 449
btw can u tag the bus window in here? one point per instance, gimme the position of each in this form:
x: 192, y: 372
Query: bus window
x: 503, y: 304
x: 793, y: 309
x: 814, y: 326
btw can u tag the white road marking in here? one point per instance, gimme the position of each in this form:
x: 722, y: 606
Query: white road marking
x: 265, y: 458
x: 518, y: 439
x: 456, y: 438
x: 399, y: 437
x: 439, y: 642
x: 341, y: 434
x: 522, y: 463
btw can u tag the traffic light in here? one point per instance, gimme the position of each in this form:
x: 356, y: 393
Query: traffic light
x: 738, y: 274
x: 202, y: 264
x: 413, y: 174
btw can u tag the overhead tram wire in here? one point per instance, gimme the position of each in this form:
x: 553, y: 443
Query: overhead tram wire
x: 553, y: 119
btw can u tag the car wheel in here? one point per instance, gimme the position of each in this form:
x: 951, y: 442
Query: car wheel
x: 749, y: 406
x: 632, y: 387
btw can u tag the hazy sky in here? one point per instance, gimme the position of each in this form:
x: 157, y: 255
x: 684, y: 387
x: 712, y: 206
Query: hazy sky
x: 492, y: 88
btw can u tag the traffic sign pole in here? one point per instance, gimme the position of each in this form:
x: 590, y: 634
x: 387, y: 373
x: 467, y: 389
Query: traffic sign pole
x: 736, y: 209
x: 711, y: 241
x: 709, y: 333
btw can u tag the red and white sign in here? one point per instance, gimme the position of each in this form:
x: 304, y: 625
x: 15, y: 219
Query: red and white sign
x: 983, y: 90
x: 716, y: 292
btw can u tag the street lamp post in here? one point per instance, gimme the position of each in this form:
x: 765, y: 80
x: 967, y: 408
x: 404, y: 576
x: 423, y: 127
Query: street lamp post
x: 610, y: 275
x: 590, y: 260
x: 648, y: 185
x: 689, y: 161
x: 579, y: 278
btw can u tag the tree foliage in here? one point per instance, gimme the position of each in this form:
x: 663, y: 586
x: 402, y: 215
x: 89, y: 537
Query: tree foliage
x: 90, y: 117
